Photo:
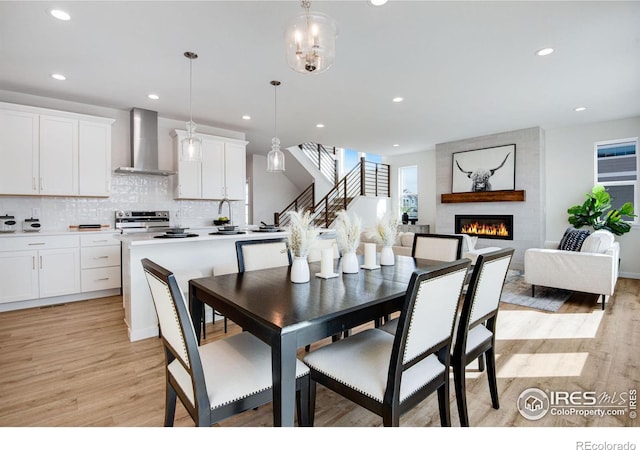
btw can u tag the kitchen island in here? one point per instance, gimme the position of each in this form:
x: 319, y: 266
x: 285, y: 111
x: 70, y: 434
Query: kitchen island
x: 206, y: 254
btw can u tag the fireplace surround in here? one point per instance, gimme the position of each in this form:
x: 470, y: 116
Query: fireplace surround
x: 487, y: 226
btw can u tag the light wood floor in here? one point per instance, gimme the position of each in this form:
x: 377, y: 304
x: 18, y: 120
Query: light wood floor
x: 72, y: 365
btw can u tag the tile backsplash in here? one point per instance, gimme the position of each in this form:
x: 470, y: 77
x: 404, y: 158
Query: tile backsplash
x: 128, y: 192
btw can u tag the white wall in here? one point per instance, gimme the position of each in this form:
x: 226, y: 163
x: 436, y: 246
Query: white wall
x: 570, y: 175
x: 426, y: 162
x: 270, y: 192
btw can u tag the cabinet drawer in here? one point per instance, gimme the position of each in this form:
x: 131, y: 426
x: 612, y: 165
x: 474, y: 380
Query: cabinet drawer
x: 95, y: 240
x: 92, y: 257
x: 101, y: 278
x: 16, y: 243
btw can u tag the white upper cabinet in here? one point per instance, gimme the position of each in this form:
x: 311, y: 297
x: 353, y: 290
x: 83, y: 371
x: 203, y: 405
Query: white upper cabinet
x: 58, y: 156
x: 94, y: 162
x: 19, y: 148
x: 47, y: 152
x: 220, y: 174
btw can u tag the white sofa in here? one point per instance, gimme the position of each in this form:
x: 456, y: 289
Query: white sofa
x: 593, y: 269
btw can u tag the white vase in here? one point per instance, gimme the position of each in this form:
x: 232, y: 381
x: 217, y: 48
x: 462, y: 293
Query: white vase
x: 300, y: 270
x: 350, y: 263
x: 386, y: 256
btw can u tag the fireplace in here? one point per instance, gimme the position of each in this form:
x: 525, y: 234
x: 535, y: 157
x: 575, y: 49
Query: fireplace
x: 485, y: 226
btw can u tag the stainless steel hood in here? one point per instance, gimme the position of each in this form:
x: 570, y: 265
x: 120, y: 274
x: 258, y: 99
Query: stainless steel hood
x: 144, y: 144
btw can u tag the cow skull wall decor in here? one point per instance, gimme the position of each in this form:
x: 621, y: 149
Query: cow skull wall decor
x: 480, y: 177
x: 489, y: 169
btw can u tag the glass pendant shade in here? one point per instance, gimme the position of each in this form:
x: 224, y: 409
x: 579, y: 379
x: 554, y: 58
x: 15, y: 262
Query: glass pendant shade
x: 191, y: 145
x: 310, y: 41
x: 275, y: 157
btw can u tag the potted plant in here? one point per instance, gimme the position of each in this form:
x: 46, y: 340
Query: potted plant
x: 348, y: 237
x: 598, y: 213
x: 405, y: 215
x: 302, y: 234
x: 385, y: 234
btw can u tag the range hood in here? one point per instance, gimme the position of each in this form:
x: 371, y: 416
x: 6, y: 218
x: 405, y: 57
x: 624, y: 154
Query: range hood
x: 144, y: 144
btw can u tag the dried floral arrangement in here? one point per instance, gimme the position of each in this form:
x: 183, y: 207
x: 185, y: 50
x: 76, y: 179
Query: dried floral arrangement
x: 348, y: 232
x: 386, y: 230
x: 302, y: 233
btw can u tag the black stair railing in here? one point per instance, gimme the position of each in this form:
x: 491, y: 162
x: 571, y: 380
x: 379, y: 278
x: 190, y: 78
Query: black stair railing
x: 323, y: 158
x: 366, y: 178
x: 303, y: 202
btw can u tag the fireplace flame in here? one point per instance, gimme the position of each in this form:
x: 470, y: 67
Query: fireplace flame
x: 485, y: 229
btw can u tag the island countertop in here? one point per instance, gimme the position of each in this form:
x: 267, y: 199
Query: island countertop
x: 204, y: 234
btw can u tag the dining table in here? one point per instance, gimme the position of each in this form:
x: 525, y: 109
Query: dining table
x: 288, y: 316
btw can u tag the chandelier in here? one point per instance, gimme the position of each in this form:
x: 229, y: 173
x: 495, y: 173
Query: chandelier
x: 275, y: 157
x: 191, y: 145
x: 310, y: 41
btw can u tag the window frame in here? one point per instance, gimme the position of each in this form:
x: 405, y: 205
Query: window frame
x: 400, y: 189
x: 635, y: 183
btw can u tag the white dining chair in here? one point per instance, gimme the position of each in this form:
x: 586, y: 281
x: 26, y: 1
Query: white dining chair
x: 219, y: 379
x: 262, y: 254
x: 390, y: 374
x: 439, y: 247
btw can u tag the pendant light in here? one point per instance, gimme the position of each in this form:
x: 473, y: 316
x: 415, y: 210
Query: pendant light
x: 310, y: 40
x: 275, y: 157
x: 191, y: 145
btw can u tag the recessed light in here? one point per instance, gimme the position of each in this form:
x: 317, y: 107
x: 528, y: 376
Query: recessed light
x: 58, y: 76
x: 378, y: 2
x: 544, y: 51
x: 580, y: 108
x: 320, y: 125
x: 246, y: 117
x: 153, y: 96
x: 398, y: 99
x: 60, y: 14
x: 396, y: 145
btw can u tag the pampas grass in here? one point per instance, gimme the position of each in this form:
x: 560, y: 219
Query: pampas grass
x: 386, y: 231
x: 302, y: 233
x: 348, y: 232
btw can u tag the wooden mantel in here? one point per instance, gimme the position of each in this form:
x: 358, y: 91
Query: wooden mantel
x: 486, y: 196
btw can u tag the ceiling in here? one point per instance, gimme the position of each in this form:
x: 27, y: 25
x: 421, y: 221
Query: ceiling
x: 464, y: 68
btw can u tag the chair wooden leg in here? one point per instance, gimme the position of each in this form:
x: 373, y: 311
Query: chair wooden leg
x: 204, y: 322
x: 225, y: 325
x: 461, y: 392
x: 170, y: 406
x: 302, y: 402
x: 481, y: 363
x: 491, y: 373
x: 533, y: 290
x: 603, y: 300
x: 312, y: 402
x: 443, y: 402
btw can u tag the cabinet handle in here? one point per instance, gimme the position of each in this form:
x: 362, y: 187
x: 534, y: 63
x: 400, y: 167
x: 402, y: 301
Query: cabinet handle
x: 101, y: 240
x: 102, y: 279
x: 41, y: 184
x: 36, y: 243
x: 100, y: 257
x: 41, y: 262
x: 33, y: 183
x: 33, y: 263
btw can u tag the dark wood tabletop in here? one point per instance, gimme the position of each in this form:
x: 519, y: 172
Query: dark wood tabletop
x: 289, y: 315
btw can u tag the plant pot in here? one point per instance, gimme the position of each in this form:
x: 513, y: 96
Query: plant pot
x: 350, y: 263
x: 405, y: 218
x: 387, y: 257
x: 300, y: 270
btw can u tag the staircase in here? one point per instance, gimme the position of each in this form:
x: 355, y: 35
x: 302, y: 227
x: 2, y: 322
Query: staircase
x: 365, y: 179
x: 323, y: 158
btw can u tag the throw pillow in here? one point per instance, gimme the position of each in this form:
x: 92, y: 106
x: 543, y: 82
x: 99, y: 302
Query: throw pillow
x: 598, y: 242
x: 573, y: 239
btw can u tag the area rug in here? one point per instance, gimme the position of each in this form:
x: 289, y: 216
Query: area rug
x: 517, y: 292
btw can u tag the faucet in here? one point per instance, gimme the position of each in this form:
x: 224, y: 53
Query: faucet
x: 222, y: 202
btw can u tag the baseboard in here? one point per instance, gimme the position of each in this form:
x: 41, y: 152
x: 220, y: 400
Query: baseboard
x: 629, y: 275
x: 51, y: 301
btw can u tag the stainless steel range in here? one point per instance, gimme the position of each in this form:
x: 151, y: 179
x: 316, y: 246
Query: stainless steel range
x: 142, y: 221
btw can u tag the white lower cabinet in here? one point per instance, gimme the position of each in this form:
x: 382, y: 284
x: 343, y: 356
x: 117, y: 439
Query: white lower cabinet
x: 37, y: 267
x: 100, y: 262
x: 34, y: 267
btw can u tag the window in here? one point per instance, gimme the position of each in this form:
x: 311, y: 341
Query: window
x: 617, y: 171
x: 408, y: 188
